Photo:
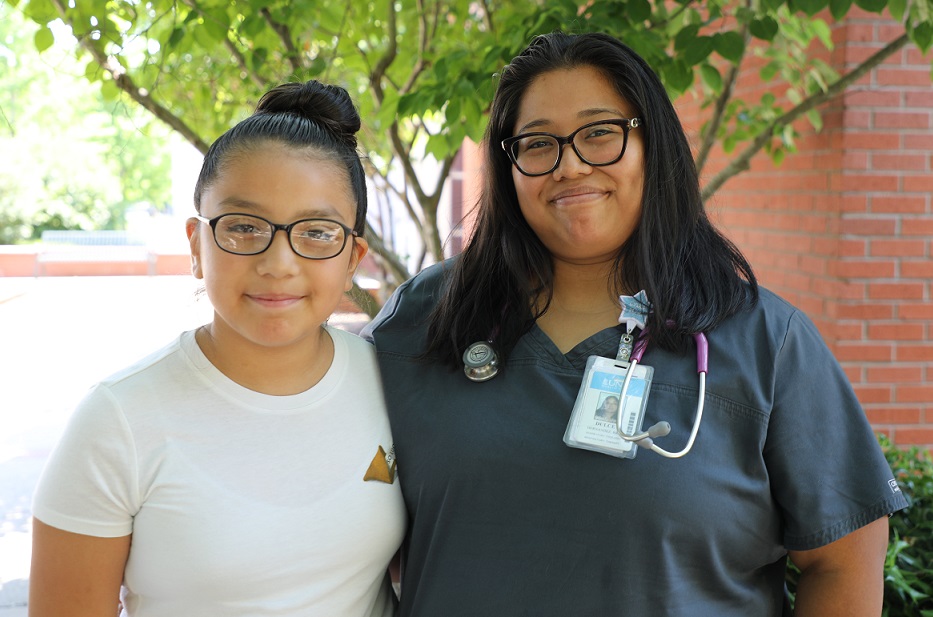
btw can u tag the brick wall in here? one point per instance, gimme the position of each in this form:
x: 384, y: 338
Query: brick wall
x: 842, y: 228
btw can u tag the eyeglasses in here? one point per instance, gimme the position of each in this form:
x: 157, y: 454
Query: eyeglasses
x: 245, y: 234
x: 598, y: 144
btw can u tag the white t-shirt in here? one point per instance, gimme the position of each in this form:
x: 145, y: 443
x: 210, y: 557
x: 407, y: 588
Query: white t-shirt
x: 239, y: 503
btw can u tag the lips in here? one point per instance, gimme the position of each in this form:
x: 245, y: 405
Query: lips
x: 576, y: 195
x: 274, y: 300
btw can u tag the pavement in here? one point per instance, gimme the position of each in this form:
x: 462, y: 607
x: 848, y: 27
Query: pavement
x: 58, y: 336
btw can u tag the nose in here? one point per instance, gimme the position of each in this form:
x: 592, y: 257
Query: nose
x: 279, y: 259
x: 571, y: 164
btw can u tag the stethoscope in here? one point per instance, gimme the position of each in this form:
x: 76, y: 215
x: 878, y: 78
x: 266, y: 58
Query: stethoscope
x: 645, y: 439
x: 480, y: 363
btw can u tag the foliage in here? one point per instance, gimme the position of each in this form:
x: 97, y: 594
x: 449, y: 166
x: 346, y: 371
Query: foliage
x: 69, y: 159
x: 908, y: 567
x: 422, y: 70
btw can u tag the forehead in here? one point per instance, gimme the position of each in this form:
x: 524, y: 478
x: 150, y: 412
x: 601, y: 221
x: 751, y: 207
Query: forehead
x: 282, y: 183
x: 568, y: 98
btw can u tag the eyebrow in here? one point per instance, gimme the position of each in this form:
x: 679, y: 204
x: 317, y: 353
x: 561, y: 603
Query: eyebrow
x: 583, y: 115
x: 237, y: 204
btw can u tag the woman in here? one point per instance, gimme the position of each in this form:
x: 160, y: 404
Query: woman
x: 591, y: 194
x: 227, y: 473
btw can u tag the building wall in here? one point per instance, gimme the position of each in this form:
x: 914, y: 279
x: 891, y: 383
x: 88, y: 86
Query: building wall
x: 842, y: 228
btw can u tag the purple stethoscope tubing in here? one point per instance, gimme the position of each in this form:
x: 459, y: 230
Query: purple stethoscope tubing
x: 645, y: 439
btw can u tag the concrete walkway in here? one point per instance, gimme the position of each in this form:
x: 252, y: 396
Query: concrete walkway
x: 59, y: 335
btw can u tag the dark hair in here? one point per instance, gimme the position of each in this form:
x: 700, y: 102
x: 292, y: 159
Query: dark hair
x: 691, y: 273
x: 310, y: 115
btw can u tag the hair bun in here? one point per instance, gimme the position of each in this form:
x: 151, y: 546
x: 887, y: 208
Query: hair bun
x: 327, y: 105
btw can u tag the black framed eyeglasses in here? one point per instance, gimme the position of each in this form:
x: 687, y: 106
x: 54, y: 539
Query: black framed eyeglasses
x: 247, y: 234
x: 598, y: 144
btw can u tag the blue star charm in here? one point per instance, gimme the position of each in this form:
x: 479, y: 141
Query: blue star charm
x: 635, y: 310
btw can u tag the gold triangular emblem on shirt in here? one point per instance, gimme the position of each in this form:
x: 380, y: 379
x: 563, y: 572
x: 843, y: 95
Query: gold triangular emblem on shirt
x: 383, y: 466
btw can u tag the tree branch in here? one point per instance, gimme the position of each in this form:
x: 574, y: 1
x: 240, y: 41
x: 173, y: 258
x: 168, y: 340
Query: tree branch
x: 389, y: 259
x: 285, y: 35
x: 125, y: 83
x: 712, y: 128
x: 741, y: 162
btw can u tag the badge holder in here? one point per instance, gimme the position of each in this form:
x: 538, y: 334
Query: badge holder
x: 598, y: 415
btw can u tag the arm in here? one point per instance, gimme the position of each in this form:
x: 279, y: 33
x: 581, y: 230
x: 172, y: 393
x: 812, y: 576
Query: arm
x: 74, y: 575
x: 845, y: 577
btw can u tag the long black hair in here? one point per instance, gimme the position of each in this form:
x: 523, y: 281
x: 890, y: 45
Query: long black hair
x: 693, y: 276
x: 310, y: 116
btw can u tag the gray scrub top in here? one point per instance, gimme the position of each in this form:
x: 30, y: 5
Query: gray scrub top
x: 505, y: 519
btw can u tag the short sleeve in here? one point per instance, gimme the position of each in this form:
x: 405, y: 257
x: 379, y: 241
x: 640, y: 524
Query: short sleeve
x: 828, y: 473
x: 90, y: 482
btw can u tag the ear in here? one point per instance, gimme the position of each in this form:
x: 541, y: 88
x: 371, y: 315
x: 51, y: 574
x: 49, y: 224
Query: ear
x: 358, y: 250
x: 192, y: 226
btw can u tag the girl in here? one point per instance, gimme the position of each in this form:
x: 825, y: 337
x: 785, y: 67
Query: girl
x: 224, y: 474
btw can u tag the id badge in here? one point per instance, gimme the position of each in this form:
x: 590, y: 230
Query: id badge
x: 593, y: 421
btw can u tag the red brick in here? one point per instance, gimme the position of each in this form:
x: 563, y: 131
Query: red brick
x: 849, y: 330
x: 853, y: 373
x: 862, y: 352
x: 918, y: 184
x: 920, y: 352
x: 917, y: 269
x: 914, y: 394
x: 921, y: 142
x: 854, y: 160
x: 890, y: 76
x: 893, y: 415
x: 917, y: 226
x: 899, y: 162
x: 864, y: 182
x: 868, y: 226
x: 898, y: 248
x: 913, y: 436
x: 865, y: 268
x: 873, y: 394
x: 919, y: 99
x: 859, y: 119
x: 860, y: 33
x: 921, y: 310
x: 894, y: 374
x: 873, y: 98
x: 915, y: 57
x: 895, y: 332
x: 895, y: 291
x: 870, y: 140
x: 865, y: 311
x: 897, y: 204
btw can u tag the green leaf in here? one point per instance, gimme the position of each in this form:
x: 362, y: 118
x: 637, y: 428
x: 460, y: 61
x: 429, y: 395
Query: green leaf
x: 711, y: 77
x: 810, y: 7
x: 40, y: 11
x: 768, y: 71
x: 897, y: 8
x: 764, y: 28
x: 839, y: 8
x: 258, y: 59
x: 816, y: 120
x: 177, y: 35
x: 109, y: 90
x: 872, y: 6
x: 43, y: 39
x: 678, y: 76
x: 685, y: 37
x: 729, y: 45
x: 922, y: 35
x: 697, y: 50
x: 638, y: 10
x: 217, y: 24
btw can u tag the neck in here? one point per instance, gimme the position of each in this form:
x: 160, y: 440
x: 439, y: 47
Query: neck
x: 279, y: 371
x: 581, y: 304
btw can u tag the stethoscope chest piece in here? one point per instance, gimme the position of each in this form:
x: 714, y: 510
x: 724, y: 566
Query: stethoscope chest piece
x: 480, y: 362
